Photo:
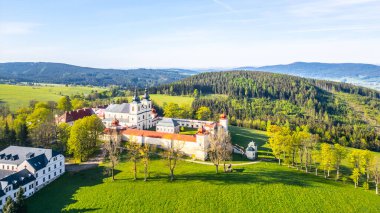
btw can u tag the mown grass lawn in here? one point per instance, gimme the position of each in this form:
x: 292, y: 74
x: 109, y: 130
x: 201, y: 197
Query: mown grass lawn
x: 17, y: 96
x: 188, y: 131
x: 262, y: 187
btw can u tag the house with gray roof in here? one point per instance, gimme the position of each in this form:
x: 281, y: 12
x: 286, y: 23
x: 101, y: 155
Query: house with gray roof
x: 168, y: 125
x: 27, y: 167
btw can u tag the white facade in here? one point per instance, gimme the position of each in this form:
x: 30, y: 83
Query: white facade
x: 35, y: 168
x: 167, y: 125
x: 195, y: 148
x: 137, y: 114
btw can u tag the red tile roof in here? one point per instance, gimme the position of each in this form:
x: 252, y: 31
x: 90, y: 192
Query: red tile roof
x: 154, y: 134
x: 75, y: 115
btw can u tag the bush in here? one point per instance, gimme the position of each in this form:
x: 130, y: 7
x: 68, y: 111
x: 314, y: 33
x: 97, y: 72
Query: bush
x: 365, y: 186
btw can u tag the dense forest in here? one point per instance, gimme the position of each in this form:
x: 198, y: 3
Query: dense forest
x: 253, y: 99
x: 58, y: 73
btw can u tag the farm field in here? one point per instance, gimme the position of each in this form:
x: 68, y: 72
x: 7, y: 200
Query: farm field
x: 161, y: 99
x: 18, y: 96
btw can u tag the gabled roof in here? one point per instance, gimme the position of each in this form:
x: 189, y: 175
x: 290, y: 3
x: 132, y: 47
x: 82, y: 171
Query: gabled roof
x: 163, y: 135
x: 118, y: 108
x: 15, y: 155
x: 38, y: 162
x: 19, y: 178
x: 168, y: 122
x: 4, y: 173
x: 71, y: 116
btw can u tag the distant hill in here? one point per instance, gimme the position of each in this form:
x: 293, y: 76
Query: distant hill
x: 367, y: 75
x: 44, y: 72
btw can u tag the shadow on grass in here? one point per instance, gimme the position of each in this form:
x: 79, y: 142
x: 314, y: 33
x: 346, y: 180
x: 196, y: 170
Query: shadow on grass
x: 60, y: 193
x: 241, y: 176
x: 81, y: 210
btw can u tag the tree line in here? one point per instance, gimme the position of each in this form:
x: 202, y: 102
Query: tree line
x: 302, y: 150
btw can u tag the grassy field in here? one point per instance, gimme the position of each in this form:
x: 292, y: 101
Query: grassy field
x: 188, y: 131
x: 263, y: 187
x: 18, y: 96
x: 161, y: 99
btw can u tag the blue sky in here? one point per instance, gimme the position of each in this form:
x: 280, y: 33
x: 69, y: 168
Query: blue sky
x: 189, y: 34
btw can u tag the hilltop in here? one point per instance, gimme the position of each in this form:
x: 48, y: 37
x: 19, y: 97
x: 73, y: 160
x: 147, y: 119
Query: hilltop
x: 58, y: 73
x: 360, y: 74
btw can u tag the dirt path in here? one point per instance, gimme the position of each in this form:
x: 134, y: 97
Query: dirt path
x: 91, y: 163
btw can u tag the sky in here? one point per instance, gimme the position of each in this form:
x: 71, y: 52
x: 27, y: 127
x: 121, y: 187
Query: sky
x: 189, y: 34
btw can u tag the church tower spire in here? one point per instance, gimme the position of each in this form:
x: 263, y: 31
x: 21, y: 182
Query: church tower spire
x: 135, y: 96
x: 146, y: 94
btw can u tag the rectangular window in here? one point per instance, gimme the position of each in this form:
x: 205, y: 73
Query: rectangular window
x: 43, y: 171
x: 36, y: 183
x: 60, y: 171
x: 55, y: 174
x: 55, y: 166
x: 43, y: 180
x: 60, y: 163
x: 49, y: 169
x: 36, y: 174
x: 49, y: 177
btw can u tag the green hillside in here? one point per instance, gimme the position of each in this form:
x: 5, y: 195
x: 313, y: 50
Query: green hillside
x: 336, y: 112
x: 17, y: 96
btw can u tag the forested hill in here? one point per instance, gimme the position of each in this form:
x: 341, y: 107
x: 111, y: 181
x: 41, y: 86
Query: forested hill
x: 43, y: 72
x: 367, y: 75
x: 338, y: 112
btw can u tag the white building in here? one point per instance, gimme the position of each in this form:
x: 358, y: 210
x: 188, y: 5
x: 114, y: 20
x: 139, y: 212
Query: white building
x: 138, y: 114
x: 167, y: 125
x: 30, y: 168
x: 167, y: 136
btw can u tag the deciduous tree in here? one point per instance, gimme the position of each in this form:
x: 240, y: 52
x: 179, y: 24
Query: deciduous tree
x: 145, y: 153
x: 113, y: 148
x: 172, y: 155
x: 339, y: 153
x: 64, y: 104
x: 133, y: 148
x: 203, y: 113
x: 84, y: 137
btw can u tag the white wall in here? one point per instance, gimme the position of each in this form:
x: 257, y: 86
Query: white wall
x: 196, y: 149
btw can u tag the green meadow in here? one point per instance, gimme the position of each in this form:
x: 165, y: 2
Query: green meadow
x: 261, y: 187
x: 17, y: 96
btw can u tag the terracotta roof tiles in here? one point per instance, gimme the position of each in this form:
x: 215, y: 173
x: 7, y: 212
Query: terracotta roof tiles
x: 154, y: 134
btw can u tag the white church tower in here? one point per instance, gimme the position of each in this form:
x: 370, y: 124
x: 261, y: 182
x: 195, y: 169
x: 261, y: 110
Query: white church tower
x: 223, y: 121
x: 134, y: 111
x: 146, y: 105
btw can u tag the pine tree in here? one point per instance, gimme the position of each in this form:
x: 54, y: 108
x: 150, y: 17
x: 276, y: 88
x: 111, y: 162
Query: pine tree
x: 9, y: 206
x: 20, y: 204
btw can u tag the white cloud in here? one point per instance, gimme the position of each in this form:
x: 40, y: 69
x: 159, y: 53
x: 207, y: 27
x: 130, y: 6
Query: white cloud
x: 17, y: 28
